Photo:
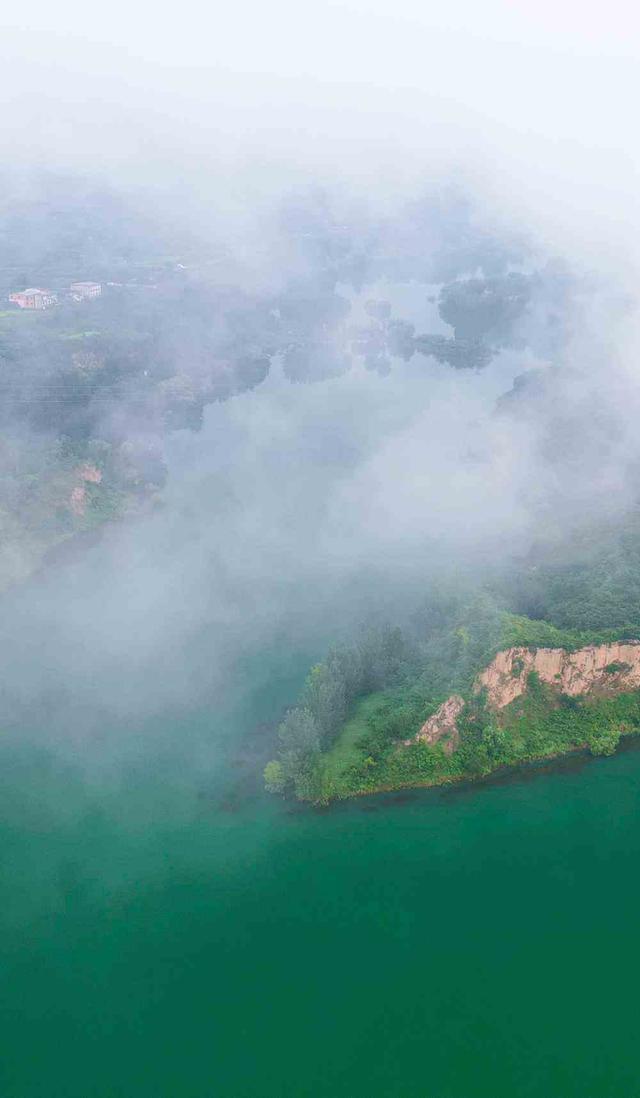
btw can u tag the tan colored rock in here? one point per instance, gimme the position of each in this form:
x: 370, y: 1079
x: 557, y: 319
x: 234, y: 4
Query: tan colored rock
x: 573, y: 673
x: 90, y: 473
x: 604, y: 669
x: 442, y: 723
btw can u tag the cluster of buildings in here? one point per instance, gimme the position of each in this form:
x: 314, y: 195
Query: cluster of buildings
x: 35, y: 298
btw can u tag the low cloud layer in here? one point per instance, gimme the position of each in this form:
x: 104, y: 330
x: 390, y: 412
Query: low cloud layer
x: 347, y: 190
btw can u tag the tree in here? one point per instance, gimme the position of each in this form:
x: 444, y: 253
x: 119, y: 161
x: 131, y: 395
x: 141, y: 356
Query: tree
x: 274, y: 777
x: 325, y: 698
x: 300, y: 749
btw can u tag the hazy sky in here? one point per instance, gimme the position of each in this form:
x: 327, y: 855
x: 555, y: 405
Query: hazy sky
x: 536, y: 98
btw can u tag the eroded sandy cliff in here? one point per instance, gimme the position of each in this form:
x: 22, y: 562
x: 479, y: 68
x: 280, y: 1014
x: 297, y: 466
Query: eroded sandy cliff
x: 442, y: 725
x: 599, y: 669
x: 603, y: 668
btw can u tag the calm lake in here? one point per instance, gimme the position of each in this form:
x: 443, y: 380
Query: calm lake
x: 166, y: 936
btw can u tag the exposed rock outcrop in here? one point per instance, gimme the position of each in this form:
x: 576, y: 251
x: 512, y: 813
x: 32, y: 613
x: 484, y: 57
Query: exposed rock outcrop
x: 90, y: 473
x: 604, y: 669
x: 601, y: 668
x: 442, y: 725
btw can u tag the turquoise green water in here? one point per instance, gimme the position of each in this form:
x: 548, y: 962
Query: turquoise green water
x: 162, y: 937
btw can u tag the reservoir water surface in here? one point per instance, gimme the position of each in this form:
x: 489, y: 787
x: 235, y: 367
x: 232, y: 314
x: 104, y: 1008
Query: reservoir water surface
x: 169, y: 938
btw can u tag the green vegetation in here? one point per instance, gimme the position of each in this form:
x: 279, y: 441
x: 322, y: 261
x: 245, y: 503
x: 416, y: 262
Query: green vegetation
x: 274, y: 779
x: 77, y: 336
x: 522, y: 632
x: 50, y: 491
x: 458, y: 636
x: 365, y: 756
x: 346, y: 735
x: 346, y: 751
x: 588, y: 582
x: 380, y: 657
x: 368, y: 757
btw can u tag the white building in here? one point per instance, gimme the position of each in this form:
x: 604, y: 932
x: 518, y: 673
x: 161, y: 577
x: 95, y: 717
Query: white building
x: 33, y: 298
x: 84, y: 290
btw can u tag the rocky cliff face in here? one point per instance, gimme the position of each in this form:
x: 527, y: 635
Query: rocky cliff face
x: 599, y: 669
x: 442, y: 725
x: 602, y: 668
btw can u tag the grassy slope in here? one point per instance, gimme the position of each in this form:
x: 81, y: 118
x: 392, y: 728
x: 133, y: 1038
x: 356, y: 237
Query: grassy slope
x: 364, y: 757
x: 345, y: 752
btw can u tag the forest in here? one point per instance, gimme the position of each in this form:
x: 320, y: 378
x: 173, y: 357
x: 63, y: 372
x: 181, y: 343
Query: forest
x: 362, y: 702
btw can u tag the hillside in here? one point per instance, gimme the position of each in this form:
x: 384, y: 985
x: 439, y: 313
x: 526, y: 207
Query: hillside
x: 390, y: 713
x: 515, y: 714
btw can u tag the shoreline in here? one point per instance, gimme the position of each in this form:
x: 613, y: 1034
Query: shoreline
x: 466, y: 779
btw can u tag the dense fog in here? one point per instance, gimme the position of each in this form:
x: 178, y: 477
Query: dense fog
x: 360, y: 335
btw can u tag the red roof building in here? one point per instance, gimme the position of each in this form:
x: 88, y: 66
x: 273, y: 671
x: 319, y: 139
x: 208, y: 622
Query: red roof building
x: 34, y: 298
